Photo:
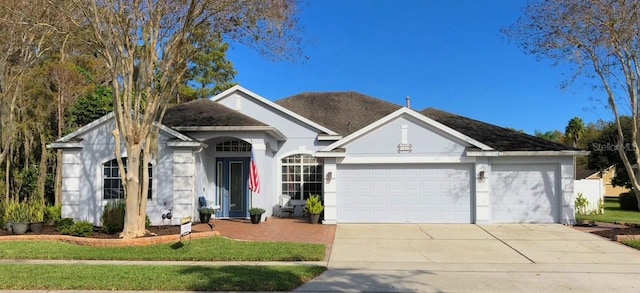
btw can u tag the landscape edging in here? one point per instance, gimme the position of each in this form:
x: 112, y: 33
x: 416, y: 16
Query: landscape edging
x: 99, y: 242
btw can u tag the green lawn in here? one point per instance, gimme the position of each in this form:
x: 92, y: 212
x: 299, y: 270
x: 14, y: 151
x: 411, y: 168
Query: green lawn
x: 184, y: 278
x: 633, y: 243
x: 613, y: 214
x: 211, y: 249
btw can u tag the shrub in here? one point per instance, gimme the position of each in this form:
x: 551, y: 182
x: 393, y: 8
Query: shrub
x: 2, y: 215
x: 628, y: 201
x: 147, y: 222
x: 81, y: 229
x: 17, y: 212
x: 37, y: 208
x: 64, y: 225
x: 581, y: 203
x: 314, y: 205
x: 53, y: 214
x: 256, y: 211
x: 209, y: 211
x: 113, y: 216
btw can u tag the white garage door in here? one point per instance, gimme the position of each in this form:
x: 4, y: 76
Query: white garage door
x: 524, y: 194
x: 404, y: 193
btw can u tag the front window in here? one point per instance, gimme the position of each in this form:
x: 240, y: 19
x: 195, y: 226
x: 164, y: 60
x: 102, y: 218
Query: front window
x: 112, y: 184
x: 301, y: 176
x: 234, y: 145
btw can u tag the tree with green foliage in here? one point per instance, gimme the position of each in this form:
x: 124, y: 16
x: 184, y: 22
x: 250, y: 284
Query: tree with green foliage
x: 605, y: 148
x: 551, y: 135
x: 574, y: 130
x: 600, y: 39
x: 209, y: 72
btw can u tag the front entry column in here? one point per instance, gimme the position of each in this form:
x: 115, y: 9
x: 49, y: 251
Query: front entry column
x: 261, y: 200
x: 330, y: 191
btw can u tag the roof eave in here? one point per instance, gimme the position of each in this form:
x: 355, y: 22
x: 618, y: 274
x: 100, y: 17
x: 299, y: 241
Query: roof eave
x: 65, y: 145
x: 477, y: 153
x: 275, y: 133
x: 329, y: 137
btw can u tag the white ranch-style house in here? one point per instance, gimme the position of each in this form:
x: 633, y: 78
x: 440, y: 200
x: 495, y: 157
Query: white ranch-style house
x: 371, y: 161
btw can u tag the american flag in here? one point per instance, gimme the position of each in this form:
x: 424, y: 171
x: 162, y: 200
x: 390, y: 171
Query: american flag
x: 254, y: 179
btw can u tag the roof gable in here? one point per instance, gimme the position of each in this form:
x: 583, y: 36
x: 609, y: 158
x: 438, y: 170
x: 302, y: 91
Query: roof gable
x: 418, y: 117
x: 111, y: 116
x: 273, y: 106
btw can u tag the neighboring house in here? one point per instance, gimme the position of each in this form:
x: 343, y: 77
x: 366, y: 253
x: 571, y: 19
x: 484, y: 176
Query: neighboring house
x: 371, y: 161
x: 606, y: 175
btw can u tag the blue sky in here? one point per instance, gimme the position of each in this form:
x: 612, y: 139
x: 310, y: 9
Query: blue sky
x: 448, y: 55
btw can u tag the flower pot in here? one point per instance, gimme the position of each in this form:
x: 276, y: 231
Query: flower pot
x: 314, y: 219
x: 205, y: 218
x: 36, y: 227
x: 255, y: 219
x: 19, y: 228
x: 9, y: 227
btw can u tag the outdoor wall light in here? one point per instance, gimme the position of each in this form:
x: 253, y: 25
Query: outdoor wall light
x: 481, y: 175
x: 329, y: 176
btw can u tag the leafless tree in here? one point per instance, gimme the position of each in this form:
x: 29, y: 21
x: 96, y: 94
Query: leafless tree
x: 601, y: 39
x: 144, y: 45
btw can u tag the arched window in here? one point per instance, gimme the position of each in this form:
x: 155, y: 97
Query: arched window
x: 112, y: 185
x: 301, y: 176
x: 234, y: 145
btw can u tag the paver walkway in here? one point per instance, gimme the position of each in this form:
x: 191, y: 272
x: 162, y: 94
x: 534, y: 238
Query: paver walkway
x: 275, y: 229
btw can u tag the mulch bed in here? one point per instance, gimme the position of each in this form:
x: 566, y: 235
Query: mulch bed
x: 100, y: 234
x: 611, y: 233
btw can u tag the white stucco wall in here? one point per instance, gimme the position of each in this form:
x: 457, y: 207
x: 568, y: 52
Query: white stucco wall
x: 83, y: 181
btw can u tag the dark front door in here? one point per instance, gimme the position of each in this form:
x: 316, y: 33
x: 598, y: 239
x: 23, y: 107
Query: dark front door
x: 233, y: 176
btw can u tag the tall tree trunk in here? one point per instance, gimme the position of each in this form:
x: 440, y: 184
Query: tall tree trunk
x: 135, y: 213
x: 42, y: 172
x: 58, y: 179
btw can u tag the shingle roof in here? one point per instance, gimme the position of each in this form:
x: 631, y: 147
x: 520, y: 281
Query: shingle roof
x: 499, y: 138
x: 342, y: 112
x: 204, y: 112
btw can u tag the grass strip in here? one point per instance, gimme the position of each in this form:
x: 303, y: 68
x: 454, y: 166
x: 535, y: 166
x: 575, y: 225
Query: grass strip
x: 184, y: 278
x: 211, y: 249
x: 613, y: 214
x: 633, y: 243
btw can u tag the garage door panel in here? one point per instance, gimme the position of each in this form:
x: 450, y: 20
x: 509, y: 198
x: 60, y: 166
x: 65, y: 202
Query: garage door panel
x: 419, y: 193
x: 524, y: 194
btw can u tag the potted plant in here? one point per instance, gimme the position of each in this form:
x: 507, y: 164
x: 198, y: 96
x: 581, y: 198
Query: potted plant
x: 314, y: 208
x: 36, y: 211
x: 19, y: 216
x: 256, y: 215
x: 205, y: 214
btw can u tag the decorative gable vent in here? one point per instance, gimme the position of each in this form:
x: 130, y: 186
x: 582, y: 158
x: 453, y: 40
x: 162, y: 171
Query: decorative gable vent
x: 404, y: 146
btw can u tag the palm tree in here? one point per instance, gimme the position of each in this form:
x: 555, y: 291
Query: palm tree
x: 574, y: 130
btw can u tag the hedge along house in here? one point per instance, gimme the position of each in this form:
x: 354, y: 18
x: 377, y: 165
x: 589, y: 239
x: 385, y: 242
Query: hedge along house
x: 371, y: 161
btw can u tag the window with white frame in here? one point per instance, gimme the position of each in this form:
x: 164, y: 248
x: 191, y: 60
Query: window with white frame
x: 112, y: 184
x: 234, y: 145
x: 301, y: 176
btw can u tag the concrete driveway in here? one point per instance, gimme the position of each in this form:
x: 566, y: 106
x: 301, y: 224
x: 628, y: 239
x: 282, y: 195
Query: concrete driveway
x: 476, y: 258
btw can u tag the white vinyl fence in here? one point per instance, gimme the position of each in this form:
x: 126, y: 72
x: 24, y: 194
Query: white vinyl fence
x: 592, y: 190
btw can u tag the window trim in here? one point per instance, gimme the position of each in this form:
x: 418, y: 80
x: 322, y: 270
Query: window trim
x: 152, y: 189
x: 302, y: 165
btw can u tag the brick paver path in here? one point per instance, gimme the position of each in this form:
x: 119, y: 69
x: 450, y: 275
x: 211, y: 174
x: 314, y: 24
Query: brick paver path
x: 275, y: 229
